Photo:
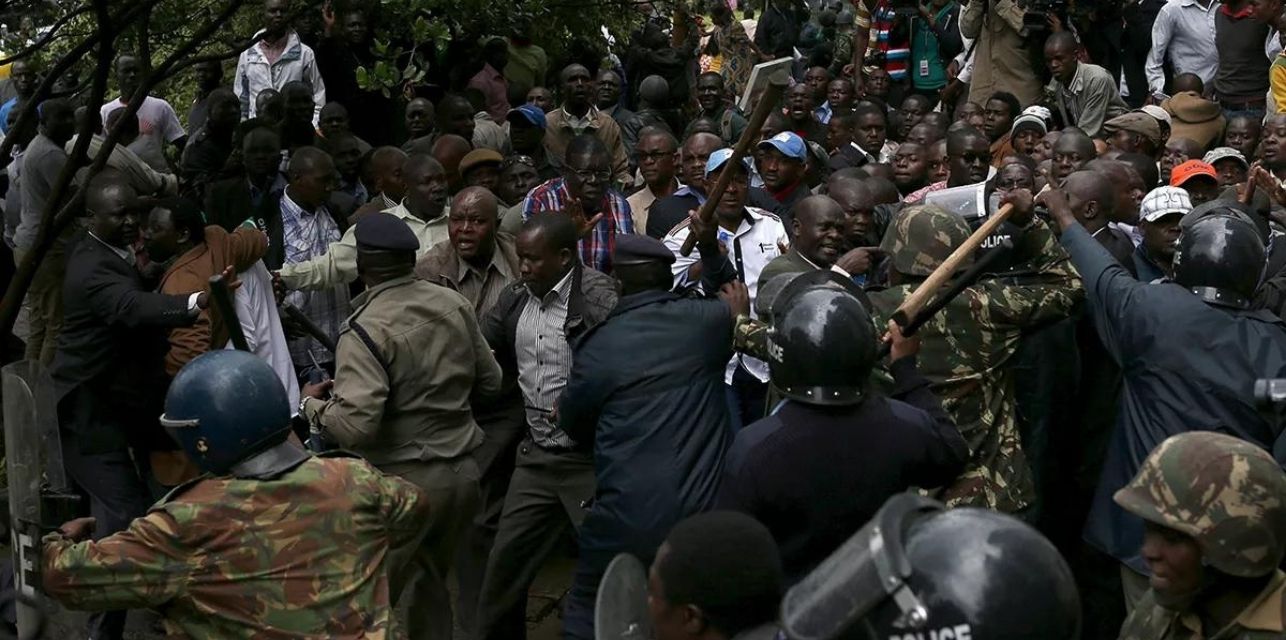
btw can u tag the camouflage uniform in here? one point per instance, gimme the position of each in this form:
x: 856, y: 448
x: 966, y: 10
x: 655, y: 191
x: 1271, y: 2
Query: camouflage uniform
x: 303, y: 555
x: 967, y: 346
x: 1230, y: 496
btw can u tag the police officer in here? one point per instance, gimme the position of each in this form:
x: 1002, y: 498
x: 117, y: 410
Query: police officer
x: 1190, y: 352
x: 659, y: 425
x: 903, y: 577
x: 1214, y: 536
x: 271, y: 540
x: 409, y: 359
x: 824, y: 462
x: 970, y: 344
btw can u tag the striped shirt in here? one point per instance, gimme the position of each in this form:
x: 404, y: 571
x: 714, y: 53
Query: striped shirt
x: 897, y: 55
x: 544, y: 361
x: 306, y: 236
x: 596, y: 248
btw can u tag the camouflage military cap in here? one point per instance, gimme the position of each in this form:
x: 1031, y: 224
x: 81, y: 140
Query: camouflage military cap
x: 921, y: 237
x: 1227, y: 493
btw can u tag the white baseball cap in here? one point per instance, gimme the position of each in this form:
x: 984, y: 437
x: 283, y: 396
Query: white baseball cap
x: 1163, y: 201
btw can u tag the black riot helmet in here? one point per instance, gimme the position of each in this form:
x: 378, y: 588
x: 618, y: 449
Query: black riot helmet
x: 822, y: 341
x: 917, y: 570
x: 1220, y: 259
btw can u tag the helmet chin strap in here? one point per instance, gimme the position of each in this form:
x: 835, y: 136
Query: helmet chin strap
x: 270, y: 463
x: 1221, y: 297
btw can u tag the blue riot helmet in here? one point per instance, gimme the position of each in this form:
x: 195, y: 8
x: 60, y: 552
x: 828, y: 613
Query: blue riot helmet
x: 229, y: 412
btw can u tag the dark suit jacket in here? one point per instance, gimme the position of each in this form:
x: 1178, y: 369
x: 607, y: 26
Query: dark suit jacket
x: 108, y: 375
x: 228, y: 204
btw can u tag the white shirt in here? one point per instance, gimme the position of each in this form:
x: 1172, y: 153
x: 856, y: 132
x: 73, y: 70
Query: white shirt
x: 757, y: 241
x: 1184, y: 32
x: 257, y: 311
x: 158, y: 125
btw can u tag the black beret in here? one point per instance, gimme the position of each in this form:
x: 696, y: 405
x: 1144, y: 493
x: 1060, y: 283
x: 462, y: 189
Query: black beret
x: 384, y: 232
x: 640, y: 249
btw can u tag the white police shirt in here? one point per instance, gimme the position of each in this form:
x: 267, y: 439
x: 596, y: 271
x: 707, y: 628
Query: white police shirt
x: 759, y: 238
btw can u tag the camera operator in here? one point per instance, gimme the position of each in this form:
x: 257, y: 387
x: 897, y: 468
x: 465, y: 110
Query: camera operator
x: 1003, y: 59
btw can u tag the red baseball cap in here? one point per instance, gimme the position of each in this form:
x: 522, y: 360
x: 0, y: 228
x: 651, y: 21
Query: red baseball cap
x: 1191, y: 169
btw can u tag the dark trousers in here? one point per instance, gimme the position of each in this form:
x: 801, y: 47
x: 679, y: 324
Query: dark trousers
x: 117, y: 495
x: 547, y: 496
x: 422, y: 569
x: 747, y: 399
x: 504, y: 429
x: 578, y: 612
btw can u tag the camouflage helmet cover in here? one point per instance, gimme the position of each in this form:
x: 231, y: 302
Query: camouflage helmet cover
x: 920, y: 238
x: 1226, y: 493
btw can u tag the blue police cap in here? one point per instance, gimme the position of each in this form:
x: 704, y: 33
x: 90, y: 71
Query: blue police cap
x: 385, y: 232
x: 634, y: 249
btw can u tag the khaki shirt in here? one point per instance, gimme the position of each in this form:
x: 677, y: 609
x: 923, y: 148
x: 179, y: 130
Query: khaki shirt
x: 482, y: 288
x: 403, y: 391
x: 339, y: 264
x: 1261, y: 620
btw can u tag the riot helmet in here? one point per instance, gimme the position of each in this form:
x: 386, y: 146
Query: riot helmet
x: 822, y: 343
x: 917, y: 570
x: 229, y: 412
x: 1220, y: 259
x: 1228, y: 494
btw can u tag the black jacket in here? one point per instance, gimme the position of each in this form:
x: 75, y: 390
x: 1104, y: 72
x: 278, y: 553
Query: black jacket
x: 659, y: 425
x: 814, y: 475
x: 228, y: 201
x: 108, y: 374
x: 592, y: 297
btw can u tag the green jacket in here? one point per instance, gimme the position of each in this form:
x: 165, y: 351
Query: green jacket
x: 1261, y: 620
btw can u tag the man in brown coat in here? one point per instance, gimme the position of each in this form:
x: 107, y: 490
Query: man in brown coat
x: 176, y: 236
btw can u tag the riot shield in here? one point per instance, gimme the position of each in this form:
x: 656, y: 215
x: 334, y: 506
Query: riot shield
x: 39, y: 495
x: 621, y: 610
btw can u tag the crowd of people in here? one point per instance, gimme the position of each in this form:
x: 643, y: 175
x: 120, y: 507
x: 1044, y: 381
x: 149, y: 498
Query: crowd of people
x: 514, y: 324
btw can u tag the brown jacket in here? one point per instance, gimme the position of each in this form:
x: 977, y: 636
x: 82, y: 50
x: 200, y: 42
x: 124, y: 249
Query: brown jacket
x: 442, y: 265
x: 192, y: 271
x: 558, y: 133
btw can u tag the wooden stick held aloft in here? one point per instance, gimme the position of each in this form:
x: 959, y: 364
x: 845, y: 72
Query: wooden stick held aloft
x: 767, y: 102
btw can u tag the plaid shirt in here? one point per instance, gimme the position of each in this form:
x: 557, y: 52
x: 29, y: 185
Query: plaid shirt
x: 304, y: 237
x: 596, y: 248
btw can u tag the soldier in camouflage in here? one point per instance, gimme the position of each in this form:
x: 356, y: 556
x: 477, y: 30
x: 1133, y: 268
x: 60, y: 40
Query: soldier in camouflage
x: 270, y: 543
x: 1214, y: 508
x: 968, y: 346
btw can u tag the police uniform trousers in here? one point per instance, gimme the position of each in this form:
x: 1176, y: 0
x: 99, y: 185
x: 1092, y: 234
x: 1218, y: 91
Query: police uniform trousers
x: 504, y: 428
x: 452, y: 488
x: 549, y: 494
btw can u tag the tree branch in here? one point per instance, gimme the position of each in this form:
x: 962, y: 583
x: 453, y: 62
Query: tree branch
x: 53, y: 219
x: 45, y: 39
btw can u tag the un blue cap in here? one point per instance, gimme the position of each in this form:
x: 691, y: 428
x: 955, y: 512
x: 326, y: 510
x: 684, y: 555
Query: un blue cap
x: 719, y: 158
x: 529, y: 113
x: 789, y: 144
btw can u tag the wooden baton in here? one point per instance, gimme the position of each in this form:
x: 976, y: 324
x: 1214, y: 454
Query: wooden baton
x: 767, y: 102
x: 914, y: 302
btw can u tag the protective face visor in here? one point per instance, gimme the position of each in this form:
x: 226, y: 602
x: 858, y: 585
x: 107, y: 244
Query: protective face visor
x: 869, y: 569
